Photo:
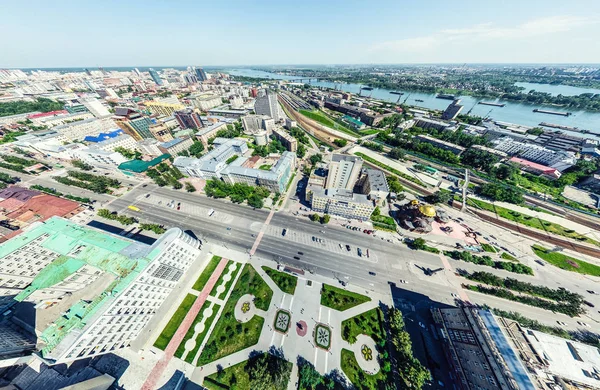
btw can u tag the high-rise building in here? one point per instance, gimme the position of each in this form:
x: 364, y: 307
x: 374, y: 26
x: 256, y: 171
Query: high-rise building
x: 188, y: 119
x: 267, y: 105
x: 254, y: 92
x: 190, y: 78
x: 155, y: 76
x: 453, y: 110
x: 343, y: 172
x: 200, y: 74
x: 95, y: 291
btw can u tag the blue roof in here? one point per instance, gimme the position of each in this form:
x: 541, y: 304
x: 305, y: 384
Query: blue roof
x: 512, y: 361
x: 103, y: 136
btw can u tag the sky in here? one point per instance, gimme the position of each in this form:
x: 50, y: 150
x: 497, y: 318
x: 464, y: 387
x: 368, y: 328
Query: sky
x: 87, y: 33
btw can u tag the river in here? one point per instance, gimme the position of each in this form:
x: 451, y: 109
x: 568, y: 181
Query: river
x: 512, y: 112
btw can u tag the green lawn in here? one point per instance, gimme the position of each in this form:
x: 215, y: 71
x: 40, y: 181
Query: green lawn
x: 357, y: 376
x: 339, y: 299
x: 181, y: 348
x: 230, y: 336
x: 368, y: 323
x: 237, y: 377
x: 205, y: 275
x: 506, y: 256
x: 566, y: 262
x: 325, y: 120
x: 369, y: 131
x: 265, y: 167
x: 530, y: 221
x: 488, y: 248
x: 213, y: 293
x: 190, y: 356
x: 286, y: 282
x: 174, y: 322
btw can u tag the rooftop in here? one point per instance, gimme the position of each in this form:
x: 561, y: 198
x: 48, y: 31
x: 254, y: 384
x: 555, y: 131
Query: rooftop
x: 103, y: 136
x: 139, y: 166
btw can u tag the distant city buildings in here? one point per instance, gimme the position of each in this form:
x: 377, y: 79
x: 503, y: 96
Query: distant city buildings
x: 200, y: 74
x: 155, y: 77
x: 96, y: 107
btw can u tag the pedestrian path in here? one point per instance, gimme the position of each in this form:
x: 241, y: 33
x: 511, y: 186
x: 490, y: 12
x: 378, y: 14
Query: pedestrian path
x: 157, y: 371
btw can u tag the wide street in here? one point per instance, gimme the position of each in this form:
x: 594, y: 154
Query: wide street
x: 236, y: 227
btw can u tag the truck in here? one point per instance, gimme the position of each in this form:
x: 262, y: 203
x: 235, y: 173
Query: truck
x: 134, y: 208
x: 211, y: 212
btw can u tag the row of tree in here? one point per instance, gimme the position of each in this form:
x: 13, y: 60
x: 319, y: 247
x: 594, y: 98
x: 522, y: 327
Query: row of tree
x: 22, y: 106
x: 467, y: 256
x: 238, y: 192
x: 94, y: 183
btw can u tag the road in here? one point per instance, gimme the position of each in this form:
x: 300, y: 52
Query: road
x: 236, y: 227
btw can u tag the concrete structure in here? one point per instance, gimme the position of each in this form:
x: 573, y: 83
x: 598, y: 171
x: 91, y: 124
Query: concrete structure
x: 149, y: 147
x: 372, y: 182
x: 74, y: 131
x: 94, y: 292
x: 456, y: 149
x: 289, y: 124
x: 290, y: 143
x: 188, y: 119
x: 478, y: 351
x: 205, y: 102
x: 209, y: 132
x: 267, y: 105
x: 176, y: 145
x: 340, y: 202
x: 95, y: 106
x: 160, y: 108
x: 261, y: 138
x: 343, y: 171
x: 427, y: 123
x: 452, y: 110
x: 256, y: 123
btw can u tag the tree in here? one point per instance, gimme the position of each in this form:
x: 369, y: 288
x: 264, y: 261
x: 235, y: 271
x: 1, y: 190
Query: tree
x: 189, y: 187
x: 341, y: 142
x: 397, y: 153
x: 196, y: 149
x: 505, y: 171
x: 301, y: 151
x: 440, y: 196
x: 325, y: 219
x: 255, y: 201
x: 128, y: 153
x: 316, y: 158
x: 376, y: 212
x: 418, y: 244
x: 315, y: 217
x: 81, y: 165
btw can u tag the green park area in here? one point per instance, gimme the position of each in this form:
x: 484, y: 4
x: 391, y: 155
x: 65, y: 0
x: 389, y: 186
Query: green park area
x: 206, y: 273
x: 565, y: 262
x: 533, y: 222
x: 340, y: 299
x: 286, y: 282
x: 357, y: 376
x: 488, y: 248
x: 190, y: 333
x: 325, y: 120
x: 229, y: 335
x: 262, y: 371
x: 213, y: 293
x: 369, y: 323
x: 174, y: 322
x: 265, y: 167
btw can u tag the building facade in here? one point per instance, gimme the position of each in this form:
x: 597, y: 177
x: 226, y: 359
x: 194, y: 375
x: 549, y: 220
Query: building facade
x: 290, y: 143
x: 267, y: 105
x: 176, y: 145
x: 188, y: 119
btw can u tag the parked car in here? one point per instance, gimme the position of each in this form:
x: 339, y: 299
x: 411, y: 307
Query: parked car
x: 348, y: 247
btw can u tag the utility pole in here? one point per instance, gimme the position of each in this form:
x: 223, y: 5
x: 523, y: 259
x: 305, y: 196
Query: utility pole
x: 464, y: 191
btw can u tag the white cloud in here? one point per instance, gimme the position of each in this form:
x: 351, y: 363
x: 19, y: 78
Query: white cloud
x: 487, y: 31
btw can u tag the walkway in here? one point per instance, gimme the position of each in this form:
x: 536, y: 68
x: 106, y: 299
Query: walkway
x: 158, y: 370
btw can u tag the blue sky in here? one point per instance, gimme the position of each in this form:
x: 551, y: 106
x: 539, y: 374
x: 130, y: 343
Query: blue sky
x: 136, y: 33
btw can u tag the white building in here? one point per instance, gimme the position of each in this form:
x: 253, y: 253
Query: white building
x: 560, y: 160
x: 95, y: 106
x: 102, y: 292
x: 206, y: 101
x: 149, y: 147
x: 58, y: 120
x: 267, y: 105
x: 93, y: 156
x: 124, y: 141
x: 343, y: 171
x: 257, y: 123
x: 74, y: 131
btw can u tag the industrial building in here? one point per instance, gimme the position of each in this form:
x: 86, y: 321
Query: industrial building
x: 452, y: 110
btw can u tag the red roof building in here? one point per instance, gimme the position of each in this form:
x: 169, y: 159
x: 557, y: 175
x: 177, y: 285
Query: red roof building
x: 535, y: 168
x: 45, y: 114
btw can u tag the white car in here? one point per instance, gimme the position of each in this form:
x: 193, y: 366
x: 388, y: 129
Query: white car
x: 454, y: 295
x: 583, y: 324
x: 561, y: 323
x: 403, y: 282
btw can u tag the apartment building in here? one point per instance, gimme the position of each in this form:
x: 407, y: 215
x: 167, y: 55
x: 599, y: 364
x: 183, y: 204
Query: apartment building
x: 96, y: 291
x: 161, y: 108
x: 210, y: 131
x: 121, y: 141
x: 290, y: 143
x: 267, y: 105
x: 188, y: 119
x: 176, y: 145
x: 343, y: 171
x: 205, y: 102
x: 340, y: 202
x: 70, y: 132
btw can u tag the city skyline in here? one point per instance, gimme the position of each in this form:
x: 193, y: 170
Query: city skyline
x: 273, y: 33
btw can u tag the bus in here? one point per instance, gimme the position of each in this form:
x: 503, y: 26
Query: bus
x: 132, y: 207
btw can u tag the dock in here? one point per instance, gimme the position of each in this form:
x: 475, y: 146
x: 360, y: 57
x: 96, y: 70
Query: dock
x: 492, y: 104
x: 551, y: 112
x: 396, y: 93
x: 445, y: 96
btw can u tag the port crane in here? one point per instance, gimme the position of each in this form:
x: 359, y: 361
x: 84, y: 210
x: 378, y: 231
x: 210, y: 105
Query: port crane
x: 407, y: 96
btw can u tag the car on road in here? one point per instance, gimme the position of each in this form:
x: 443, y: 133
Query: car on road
x: 583, y: 324
x: 296, y: 257
x: 454, y: 295
x: 348, y: 247
x: 228, y: 228
x: 403, y: 281
x: 561, y: 323
x: 592, y: 292
x: 283, y: 232
x: 144, y: 185
x: 359, y: 251
x: 343, y: 283
x: 314, y: 238
x: 147, y: 196
x: 300, y: 253
x: 372, y: 273
x: 540, y: 262
x: 590, y: 304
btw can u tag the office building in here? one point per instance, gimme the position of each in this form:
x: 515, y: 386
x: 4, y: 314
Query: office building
x: 149, y: 147
x: 267, y: 105
x: 155, y: 77
x: 452, y: 110
x: 200, y: 74
x: 229, y: 112
x: 205, y: 102
x: 257, y: 123
x: 210, y: 131
x: 290, y: 143
x: 95, y: 106
x: 456, y: 149
x: 275, y: 179
x: 135, y: 124
x: 190, y: 78
x: 94, y: 156
x: 211, y: 164
x: 188, y: 119
x: 343, y: 171
x: 161, y: 108
x: 92, y: 292
x: 121, y: 141
x: 372, y: 182
x: 176, y: 145
x: 340, y: 202
x: 161, y: 132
